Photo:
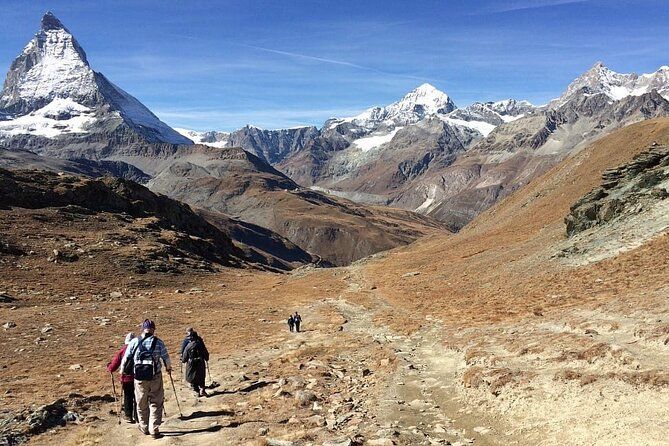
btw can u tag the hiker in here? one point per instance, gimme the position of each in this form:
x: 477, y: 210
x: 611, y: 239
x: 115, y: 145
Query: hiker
x: 291, y: 322
x: 143, y: 356
x: 184, y: 343
x: 297, y: 320
x: 127, y: 382
x: 195, y: 356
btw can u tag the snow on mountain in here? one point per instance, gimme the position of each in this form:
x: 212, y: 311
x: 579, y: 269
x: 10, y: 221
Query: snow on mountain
x: 53, y: 67
x: 485, y: 116
x: 481, y: 126
x: 600, y: 79
x: 210, y: 138
x: 60, y: 116
x: 370, y: 142
x: 423, y: 101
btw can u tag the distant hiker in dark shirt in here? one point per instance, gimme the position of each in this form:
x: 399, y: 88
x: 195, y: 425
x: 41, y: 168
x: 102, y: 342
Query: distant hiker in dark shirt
x: 297, y: 320
x: 291, y: 322
x: 127, y: 382
x: 195, y: 355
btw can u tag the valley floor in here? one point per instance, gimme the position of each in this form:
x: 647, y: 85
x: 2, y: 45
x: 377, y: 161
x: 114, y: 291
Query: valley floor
x: 365, y: 369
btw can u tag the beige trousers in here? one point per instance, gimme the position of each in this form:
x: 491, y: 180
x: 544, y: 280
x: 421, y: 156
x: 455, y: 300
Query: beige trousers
x: 150, y: 397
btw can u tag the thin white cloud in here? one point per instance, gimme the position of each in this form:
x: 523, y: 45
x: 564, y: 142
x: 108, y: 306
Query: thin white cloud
x: 334, y: 62
x: 524, y: 5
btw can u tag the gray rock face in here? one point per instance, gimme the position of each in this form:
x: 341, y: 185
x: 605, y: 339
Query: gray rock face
x: 273, y: 146
x: 494, y: 113
x: 21, y: 159
x: 519, y: 151
x: 625, y: 190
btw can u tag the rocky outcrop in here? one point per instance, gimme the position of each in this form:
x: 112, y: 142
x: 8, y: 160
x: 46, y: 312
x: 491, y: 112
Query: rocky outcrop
x: 626, y: 190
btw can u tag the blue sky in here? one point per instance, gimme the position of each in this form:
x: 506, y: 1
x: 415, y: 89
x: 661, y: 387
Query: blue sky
x: 282, y: 63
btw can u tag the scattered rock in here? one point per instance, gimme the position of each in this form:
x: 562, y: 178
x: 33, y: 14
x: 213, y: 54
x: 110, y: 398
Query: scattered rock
x: 275, y: 442
x: 6, y: 298
x: 342, y: 441
x: 411, y: 274
x: 380, y: 442
x: 304, y: 398
x: 8, y: 325
x: 76, y: 367
x: 116, y: 294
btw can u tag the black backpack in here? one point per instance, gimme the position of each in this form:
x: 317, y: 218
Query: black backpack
x: 145, y: 366
x: 195, y: 353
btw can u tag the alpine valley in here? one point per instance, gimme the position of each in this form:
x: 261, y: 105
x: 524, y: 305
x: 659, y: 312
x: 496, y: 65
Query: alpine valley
x: 489, y: 274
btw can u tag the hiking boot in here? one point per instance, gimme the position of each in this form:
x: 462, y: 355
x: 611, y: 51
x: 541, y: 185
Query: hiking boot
x: 128, y: 419
x: 203, y: 393
x: 156, y: 434
x: 143, y: 430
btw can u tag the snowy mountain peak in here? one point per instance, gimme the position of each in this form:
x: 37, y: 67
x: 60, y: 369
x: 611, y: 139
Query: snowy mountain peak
x: 51, y: 65
x: 53, y: 80
x: 428, y: 97
x: 425, y: 100
x: 599, y: 79
x: 50, y: 22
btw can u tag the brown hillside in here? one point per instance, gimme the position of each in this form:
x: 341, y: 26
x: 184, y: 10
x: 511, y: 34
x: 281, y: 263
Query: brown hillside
x: 500, y: 266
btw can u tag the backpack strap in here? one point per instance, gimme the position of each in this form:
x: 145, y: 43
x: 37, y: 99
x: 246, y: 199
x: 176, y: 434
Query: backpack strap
x: 153, y: 344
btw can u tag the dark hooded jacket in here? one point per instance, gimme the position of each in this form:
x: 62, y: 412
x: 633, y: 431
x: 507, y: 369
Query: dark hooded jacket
x: 194, y: 355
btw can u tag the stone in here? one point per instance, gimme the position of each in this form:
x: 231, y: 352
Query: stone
x: 315, y: 421
x: 116, y: 294
x: 71, y: 417
x: 411, y: 274
x: 46, y: 329
x: 380, y: 442
x: 8, y: 325
x: 341, y: 441
x: 76, y: 367
x: 6, y: 298
x: 276, y: 442
x: 263, y: 431
x: 304, y: 398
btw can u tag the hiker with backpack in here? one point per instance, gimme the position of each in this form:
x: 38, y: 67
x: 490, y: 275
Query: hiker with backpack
x: 195, y: 355
x: 143, y: 356
x: 297, y: 320
x: 127, y: 381
x: 291, y: 322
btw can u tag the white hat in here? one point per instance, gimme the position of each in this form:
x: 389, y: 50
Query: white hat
x: 129, y: 337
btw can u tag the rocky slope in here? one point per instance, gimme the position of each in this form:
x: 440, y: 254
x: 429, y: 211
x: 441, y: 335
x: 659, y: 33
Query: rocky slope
x: 52, y: 99
x: 630, y: 207
x: 187, y: 238
x: 518, y: 151
x: 559, y: 330
x: 368, y: 157
x: 238, y: 184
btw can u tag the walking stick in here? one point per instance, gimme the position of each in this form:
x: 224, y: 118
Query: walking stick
x: 208, y: 373
x: 118, y: 412
x: 176, y: 397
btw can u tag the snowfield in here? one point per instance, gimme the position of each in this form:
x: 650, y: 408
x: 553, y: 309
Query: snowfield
x: 58, y: 117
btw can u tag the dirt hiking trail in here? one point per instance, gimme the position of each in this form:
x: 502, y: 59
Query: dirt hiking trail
x: 346, y: 379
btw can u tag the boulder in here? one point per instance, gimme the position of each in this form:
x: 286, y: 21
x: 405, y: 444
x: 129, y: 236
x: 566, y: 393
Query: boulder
x: 304, y: 398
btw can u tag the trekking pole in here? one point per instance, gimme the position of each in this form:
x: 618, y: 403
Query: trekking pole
x: 209, y: 373
x: 118, y: 412
x: 176, y: 397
